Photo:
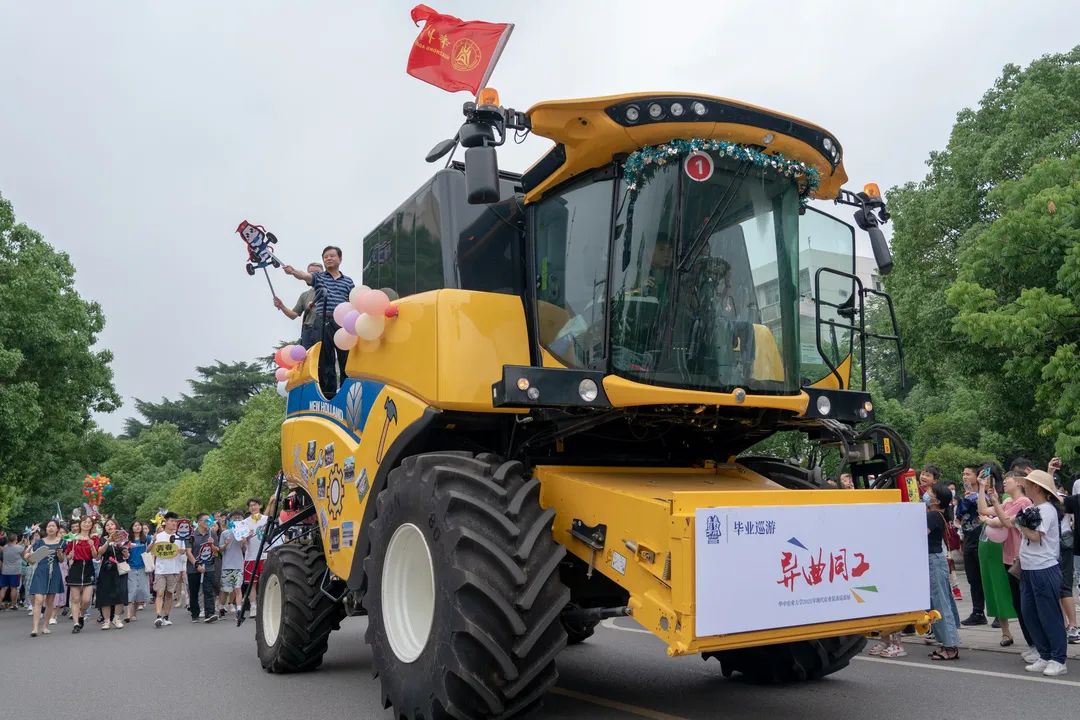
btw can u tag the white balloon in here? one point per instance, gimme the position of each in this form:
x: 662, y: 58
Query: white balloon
x: 370, y: 327
x: 281, y: 389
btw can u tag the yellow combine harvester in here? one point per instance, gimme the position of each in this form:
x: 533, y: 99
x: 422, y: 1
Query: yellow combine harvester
x: 552, y: 430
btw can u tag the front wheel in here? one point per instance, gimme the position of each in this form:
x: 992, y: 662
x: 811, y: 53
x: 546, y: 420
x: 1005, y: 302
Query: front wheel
x: 791, y: 662
x: 295, y: 618
x: 462, y: 589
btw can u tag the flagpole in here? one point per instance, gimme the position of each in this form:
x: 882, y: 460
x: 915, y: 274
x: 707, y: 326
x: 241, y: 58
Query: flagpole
x: 495, y: 58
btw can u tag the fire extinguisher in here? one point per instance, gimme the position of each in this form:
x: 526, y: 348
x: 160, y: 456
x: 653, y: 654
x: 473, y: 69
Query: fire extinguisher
x: 909, y: 486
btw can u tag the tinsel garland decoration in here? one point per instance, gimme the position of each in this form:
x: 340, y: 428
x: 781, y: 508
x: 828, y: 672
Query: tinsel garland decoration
x: 641, y: 165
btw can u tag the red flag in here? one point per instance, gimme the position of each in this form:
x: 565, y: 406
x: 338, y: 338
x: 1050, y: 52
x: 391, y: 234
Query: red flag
x: 454, y: 54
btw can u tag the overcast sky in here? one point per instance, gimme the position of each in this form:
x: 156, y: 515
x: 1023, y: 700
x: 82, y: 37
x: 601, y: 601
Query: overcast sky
x: 136, y: 135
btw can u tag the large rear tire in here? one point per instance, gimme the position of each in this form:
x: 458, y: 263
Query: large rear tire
x: 791, y: 662
x: 462, y: 589
x: 294, y: 618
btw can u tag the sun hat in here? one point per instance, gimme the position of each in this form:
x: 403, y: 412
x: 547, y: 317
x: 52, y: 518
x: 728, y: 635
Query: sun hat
x: 1043, y: 480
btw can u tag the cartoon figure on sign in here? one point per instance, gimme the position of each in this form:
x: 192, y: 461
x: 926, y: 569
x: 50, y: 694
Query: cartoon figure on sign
x: 712, y: 529
x: 206, y: 554
x: 259, y: 245
x: 183, y: 529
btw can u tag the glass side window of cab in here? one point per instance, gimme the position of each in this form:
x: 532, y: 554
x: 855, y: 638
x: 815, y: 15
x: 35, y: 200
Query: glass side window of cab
x: 572, y: 235
x: 825, y: 242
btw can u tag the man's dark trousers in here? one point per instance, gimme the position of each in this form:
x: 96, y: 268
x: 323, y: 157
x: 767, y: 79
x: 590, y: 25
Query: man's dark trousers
x: 974, y: 574
x: 194, y: 581
x: 331, y: 360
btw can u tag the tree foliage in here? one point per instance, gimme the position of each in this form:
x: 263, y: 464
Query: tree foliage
x: 217, y: 398
x: 987, y: 275
x: 244, y: 465
x: 51, y: 376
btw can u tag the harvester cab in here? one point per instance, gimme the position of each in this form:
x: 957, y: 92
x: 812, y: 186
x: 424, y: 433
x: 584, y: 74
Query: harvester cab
x: 553, y: 427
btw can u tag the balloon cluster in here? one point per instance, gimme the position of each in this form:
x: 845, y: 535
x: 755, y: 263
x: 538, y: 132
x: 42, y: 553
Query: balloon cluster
x: 286, y: 358
x: 95, y: 487
x: 363, y: 317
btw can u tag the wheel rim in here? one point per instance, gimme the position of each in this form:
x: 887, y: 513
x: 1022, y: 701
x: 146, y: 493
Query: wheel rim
x: 270, y: 607
x: 408, y: 593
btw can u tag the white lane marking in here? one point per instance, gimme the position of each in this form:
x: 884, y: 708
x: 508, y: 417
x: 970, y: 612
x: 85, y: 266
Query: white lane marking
x: 609, y: 623
x: 970, y: 671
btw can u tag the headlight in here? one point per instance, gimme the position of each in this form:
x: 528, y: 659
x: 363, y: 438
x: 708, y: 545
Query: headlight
x: 632, y: 114
x: 677, y: 109
x: 587, y: 390
x: 655, y: 111
x: 698, y: 108
x: 824, y: 405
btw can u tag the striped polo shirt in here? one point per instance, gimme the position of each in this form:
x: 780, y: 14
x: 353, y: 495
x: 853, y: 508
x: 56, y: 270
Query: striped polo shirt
x: 333, y: 290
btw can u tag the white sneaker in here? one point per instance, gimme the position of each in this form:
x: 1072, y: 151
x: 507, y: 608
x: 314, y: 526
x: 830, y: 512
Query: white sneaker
x: 166, y: 621
x: 1030, y: 656
x: 52, y: 621
x: 1054, y: 668
x: 1038, y: 666
x: 117, y: 623
x: 106, y: 625
x: 158, y: 622
x: 253, y: 609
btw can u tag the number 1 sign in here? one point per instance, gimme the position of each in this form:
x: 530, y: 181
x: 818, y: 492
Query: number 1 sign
x: 698, y: 166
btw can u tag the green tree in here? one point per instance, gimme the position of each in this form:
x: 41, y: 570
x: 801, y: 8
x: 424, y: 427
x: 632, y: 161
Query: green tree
x: 244, y: 465
x: 975, y: 246
x: 51, y: 376
x: 1018, y: 293
x: 217, y: 398
x: 139, y: 466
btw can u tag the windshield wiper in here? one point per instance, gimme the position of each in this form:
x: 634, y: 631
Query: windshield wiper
x: 718, y: 211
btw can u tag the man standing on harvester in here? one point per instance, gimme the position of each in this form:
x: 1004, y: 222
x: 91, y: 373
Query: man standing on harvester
x: 332, y: 287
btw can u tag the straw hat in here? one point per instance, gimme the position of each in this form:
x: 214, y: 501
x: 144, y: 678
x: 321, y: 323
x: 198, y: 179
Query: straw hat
x: 1043, y: 479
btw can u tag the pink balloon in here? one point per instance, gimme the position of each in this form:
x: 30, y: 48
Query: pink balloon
x: 343, y: 340
x: 298, y: 353
x: 286, y: 356
x: 373, y: 302
x: 281, y: 374
x: 350, y: 321
x: 340, y: 311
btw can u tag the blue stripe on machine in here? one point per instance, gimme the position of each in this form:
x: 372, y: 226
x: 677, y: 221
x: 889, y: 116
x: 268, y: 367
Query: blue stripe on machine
x: 349, y: 408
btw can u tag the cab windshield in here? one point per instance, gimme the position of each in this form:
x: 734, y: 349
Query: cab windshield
x: 697, y: 289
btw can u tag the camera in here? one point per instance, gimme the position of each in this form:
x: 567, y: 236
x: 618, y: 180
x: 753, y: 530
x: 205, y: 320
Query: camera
x: 1029, y: 517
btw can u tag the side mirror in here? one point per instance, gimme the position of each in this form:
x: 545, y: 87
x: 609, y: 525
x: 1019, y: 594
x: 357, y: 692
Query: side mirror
x: 882, y: 255
x: 441, y: 149
x: 481, y: 175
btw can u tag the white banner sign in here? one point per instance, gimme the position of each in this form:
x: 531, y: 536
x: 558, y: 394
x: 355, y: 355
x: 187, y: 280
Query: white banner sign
x: 770, y: 567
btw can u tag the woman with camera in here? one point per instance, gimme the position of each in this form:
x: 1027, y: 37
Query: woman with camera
x: 1040, y: 574
x: 1009, y: 538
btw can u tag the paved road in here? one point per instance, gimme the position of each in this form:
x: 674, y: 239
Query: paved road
x: 619, y: 673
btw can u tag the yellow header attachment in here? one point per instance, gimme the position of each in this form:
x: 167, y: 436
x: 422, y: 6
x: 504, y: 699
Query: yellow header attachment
x: 589, y: 132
